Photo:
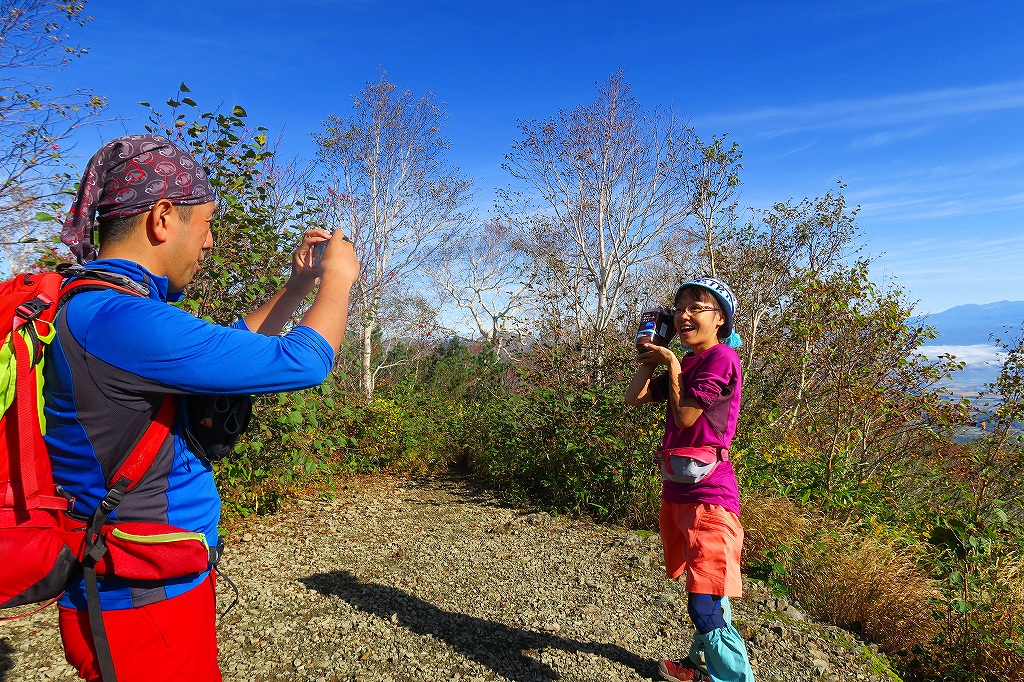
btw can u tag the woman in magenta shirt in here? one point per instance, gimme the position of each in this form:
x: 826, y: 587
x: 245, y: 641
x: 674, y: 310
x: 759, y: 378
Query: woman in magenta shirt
x: 699, y: 520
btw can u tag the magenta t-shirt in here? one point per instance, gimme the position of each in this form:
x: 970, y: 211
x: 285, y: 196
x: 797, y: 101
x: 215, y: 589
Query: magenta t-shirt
x: 713, y: 379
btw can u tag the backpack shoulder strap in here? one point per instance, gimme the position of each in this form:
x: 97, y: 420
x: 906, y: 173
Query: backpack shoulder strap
x: 83, y: 284
x: 140, y: 459
x: 29, y: 300
x: 124, y: 479
x: 27, y: 415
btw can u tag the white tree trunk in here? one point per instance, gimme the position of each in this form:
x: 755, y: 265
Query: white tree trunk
x: 366, y: 360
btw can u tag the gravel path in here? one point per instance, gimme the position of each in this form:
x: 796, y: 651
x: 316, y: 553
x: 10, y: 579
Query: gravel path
x: 438, y: 580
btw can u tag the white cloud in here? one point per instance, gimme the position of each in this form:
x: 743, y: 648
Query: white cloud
x: 972, y: 356
x: 970, y: 259
x: 889, y: 111
x: 888, y: 136
x: 980, y: 186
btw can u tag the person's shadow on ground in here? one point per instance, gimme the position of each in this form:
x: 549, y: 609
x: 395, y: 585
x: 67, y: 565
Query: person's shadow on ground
x: 5, y: 658
x: 497, y: 646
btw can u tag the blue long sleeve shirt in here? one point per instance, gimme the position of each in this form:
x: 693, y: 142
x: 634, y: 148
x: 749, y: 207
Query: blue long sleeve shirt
x: 114, y: 358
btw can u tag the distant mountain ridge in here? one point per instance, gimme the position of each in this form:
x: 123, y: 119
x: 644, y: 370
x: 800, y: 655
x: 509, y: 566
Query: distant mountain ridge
x: 975, y: 323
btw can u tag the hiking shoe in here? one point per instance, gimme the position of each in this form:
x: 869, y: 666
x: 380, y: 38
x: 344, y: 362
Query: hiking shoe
x: 682, y: 670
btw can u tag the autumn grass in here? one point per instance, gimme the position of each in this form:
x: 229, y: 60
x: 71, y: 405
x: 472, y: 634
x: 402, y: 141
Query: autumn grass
x: 864, y: 584
x: 881, y: 589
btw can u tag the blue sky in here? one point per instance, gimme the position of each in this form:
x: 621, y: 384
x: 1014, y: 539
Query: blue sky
x: 917, y: 105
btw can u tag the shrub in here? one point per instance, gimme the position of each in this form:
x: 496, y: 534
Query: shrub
x: 293, y: 438
x: 560, y: 437
x: 981, y: 608
x: 311, y: 437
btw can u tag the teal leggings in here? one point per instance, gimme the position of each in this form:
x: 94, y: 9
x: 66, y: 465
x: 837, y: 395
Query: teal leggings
x: 724, y: 653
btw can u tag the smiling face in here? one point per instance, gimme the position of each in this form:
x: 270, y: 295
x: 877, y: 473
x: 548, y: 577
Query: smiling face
x: 192, y: 238
x: 698, y: 318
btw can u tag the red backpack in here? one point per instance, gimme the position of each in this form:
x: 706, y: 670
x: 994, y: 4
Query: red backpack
x: 29, y: 503
x: 43, y: 548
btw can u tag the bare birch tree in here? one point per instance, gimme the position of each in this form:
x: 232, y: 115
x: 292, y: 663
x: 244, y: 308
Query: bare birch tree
x: 765, y: 257
x: 391, y: 190
x: 612, y: 178
x: 490, y: 277
x: 35, y: 121
x: 20, y: 232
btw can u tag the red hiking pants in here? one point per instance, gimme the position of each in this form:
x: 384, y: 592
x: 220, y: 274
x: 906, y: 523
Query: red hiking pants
x: 172, y: 640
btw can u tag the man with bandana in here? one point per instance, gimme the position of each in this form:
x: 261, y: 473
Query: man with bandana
x: 116, y: 356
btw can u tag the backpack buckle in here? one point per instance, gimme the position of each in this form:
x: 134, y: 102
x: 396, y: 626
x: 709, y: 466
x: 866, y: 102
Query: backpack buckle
x: 30, y: 310
x: 111, y: 500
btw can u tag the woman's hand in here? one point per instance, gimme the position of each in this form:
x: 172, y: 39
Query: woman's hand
x: 305, y: 269
x: 656, y: 355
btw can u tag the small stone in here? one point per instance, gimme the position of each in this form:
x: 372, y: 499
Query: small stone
x: 246, y: 537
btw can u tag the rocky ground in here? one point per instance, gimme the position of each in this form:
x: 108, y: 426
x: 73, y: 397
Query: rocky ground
x: 438, y: 580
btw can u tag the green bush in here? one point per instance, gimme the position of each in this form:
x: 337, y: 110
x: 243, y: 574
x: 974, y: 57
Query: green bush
x: 310, y: 438
x: 293, y: 439
x: 562, y: 436
x: 980, y: 568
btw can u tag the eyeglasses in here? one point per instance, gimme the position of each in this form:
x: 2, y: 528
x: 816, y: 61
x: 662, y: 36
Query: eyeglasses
x: 693, y: 309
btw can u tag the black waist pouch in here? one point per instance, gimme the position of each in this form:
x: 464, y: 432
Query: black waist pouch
x: 214, y: 422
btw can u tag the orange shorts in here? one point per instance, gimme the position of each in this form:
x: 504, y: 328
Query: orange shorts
x: 706, y: 541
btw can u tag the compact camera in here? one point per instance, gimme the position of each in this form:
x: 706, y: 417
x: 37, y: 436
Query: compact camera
x: 656, y: 327
x: 318, y: 248
x: 318, y: 253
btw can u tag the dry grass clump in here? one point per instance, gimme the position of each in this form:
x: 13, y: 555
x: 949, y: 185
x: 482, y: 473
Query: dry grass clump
x: 1007, y: 619
x: 770, y: 523
x: 859, y: 583
x: 871, y: 584
x: 868, y: 585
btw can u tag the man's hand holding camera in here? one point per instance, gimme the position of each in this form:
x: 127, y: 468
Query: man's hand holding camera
x: 338, y: 258
x: 308, y: 259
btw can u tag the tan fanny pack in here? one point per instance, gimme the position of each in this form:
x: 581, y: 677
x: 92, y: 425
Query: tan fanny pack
x: 690, y: 465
